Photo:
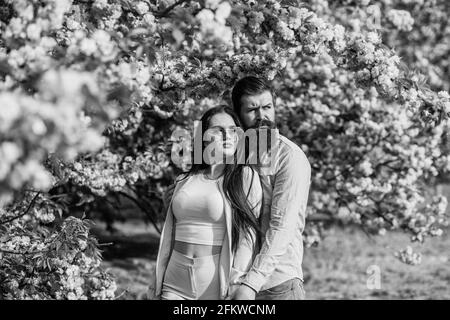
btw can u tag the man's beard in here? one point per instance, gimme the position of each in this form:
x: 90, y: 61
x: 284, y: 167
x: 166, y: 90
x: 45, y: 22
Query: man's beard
x: 265, y: 129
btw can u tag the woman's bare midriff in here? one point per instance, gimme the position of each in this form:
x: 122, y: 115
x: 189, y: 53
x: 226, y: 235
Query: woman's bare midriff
x: 196, y: 250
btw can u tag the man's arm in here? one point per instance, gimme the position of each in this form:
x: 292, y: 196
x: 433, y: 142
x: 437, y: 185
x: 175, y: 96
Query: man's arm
x: 289, y: 200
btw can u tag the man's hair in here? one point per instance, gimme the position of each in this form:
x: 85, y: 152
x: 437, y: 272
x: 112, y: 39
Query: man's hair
x: 248, y: 86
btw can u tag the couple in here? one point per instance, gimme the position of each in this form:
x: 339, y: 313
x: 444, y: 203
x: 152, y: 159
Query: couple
x: 234, y: 231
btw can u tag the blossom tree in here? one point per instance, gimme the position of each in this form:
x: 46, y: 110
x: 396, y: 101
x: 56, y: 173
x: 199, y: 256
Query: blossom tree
x: 91, y: 92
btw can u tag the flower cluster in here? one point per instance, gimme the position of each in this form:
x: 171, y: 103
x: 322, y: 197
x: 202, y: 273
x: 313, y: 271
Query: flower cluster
x: 29, y: 126
x: 366, y: 154
x: 60, y: 265
x: 401, y: 19
x: 111, y: 172
x: 212, y: 23
x: 408, y: 256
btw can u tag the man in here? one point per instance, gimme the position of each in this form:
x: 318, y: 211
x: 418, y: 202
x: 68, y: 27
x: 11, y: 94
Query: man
x: 276, y: 273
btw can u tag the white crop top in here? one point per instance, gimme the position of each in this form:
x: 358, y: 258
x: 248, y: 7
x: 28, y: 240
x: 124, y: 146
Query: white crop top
x: 199, y: 211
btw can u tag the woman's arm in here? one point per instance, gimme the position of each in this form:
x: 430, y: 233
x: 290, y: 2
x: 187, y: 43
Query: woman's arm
x: 151, y: 292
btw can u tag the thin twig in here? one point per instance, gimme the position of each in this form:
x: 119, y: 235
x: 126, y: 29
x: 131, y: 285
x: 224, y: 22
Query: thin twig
x: 123, y: 292
x: 142, y: 209
x: 105, y: 244
x: 170, y: 8
x: 23, y: 253
x: 25, y: 212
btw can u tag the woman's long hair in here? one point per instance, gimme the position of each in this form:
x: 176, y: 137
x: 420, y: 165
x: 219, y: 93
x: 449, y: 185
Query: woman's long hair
x: 243, y: 219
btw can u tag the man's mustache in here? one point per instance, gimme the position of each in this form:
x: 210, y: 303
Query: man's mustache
x: 264, y: 123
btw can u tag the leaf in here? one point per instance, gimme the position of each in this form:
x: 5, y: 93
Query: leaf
x: 196, y: 62
x: 37, y: 256
x: 126, y: 4
x: 47, y: 264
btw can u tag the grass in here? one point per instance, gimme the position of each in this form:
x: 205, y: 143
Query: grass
x: 336, y: 269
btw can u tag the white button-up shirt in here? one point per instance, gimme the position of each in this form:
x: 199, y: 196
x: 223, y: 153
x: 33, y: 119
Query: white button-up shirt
x: 285, y: 188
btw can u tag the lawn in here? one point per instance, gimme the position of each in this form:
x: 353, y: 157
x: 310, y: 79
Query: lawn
x: 336, y: 269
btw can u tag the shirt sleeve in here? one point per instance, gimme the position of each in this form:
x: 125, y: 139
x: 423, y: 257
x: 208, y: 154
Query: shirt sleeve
x: 287, y: 215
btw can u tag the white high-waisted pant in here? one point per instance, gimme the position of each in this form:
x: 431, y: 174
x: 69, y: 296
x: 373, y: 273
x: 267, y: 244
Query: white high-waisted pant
x: 188, y: 278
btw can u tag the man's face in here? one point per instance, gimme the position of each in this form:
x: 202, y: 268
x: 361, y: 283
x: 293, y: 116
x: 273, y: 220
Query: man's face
x: 256, y: 109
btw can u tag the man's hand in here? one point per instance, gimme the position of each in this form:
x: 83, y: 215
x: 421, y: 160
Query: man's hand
x: 244, y: 293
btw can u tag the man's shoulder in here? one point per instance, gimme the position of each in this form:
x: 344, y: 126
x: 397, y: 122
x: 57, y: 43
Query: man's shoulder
x: 291, y: 148
x: 292, y: 157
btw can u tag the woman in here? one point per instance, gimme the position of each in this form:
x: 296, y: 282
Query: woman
x: 211, y: 229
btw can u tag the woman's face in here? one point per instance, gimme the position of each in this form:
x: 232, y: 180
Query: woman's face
x: 221, y: 136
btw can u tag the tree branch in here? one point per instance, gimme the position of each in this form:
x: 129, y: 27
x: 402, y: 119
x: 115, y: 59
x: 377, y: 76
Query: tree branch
x: 25, y: 212
x: 144, y: 210
x: 170, y: 8
x: 23, y: 253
